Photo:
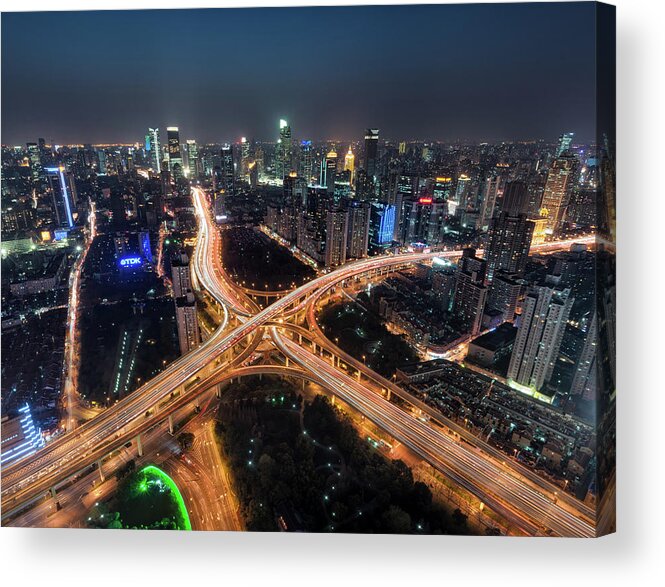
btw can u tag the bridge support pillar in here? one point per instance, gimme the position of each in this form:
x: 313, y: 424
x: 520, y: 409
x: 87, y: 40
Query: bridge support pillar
x: 388, y: 394
x: 52, y: 491
x: 333, y: 399
x: 101, y: 470
x: 299, y: 338
x: 218, y: 391
x: 139, y: 446
x: 286, y: 364
x: 171, y: 424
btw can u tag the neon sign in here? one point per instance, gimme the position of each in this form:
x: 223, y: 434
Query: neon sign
x: 130, y: 261
x: 425, y: 201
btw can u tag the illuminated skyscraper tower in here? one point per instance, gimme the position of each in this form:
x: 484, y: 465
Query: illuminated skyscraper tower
x: 284, y: 151
x: 63, y: 194
x: 329, y: 171
x: 153, y: 149
x: 565, y: 141
x: 175, y: 156
x: 558, y: 187
x: 349, y: 164
x: 193, y: 162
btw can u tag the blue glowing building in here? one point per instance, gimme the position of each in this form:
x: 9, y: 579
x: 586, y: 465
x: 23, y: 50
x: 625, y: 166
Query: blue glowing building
x: 20, y: 437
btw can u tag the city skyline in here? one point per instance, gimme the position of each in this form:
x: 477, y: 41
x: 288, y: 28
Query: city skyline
x: 480, y: 87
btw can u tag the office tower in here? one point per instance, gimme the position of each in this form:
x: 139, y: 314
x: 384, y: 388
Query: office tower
x: 382, y: 224
x: 329, y: 172
x: 306, y: 161
x: 244, y: 156
x: 371, y: 153
x: 442, y: 190
x: 462, y: 193
x: 153, y: 149
x: 349, y: 164
x: 284, y: 151
x: 444, y: 279
x: 556, y: 195
x: 358, y: 235
x: 36, y: 169
x: 565, y: 141
x: 181, y: 276
x: 401, y: 148
x: 187, y: 322
x: 63, y: 195
x: 253, y: 170
x: 586, y: 374
x: 470, y: 292
x: 336, y: 237
x: 504, y: 294
x: 45, y: 154
x: 423, y: 221
x: 544, y: 314
x: 101, y: 165
x: 508, y: 244
x: 494, y: 187
x: 174, y: 153
x: 515, y: 200
x: 227, y: 169
x: 193, y: 163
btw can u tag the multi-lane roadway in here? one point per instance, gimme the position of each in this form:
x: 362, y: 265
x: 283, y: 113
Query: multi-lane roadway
x: 26, y: 480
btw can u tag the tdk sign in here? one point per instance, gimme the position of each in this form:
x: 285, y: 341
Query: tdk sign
x: 130, y: 261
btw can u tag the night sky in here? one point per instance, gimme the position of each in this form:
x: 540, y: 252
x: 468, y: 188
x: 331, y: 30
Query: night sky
x: 471, y: 72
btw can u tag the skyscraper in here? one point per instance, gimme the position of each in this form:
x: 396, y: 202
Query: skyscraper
x: 508, y: 244
x: 227, y: 169
x: 180, y: 275
x: 193, y: 163
x: 349, y: 164
x: 306, y: 162
x: 371, y: 152
x: 470, y: 291
x: 504, y: 294
x: 565, y: 141
x: 153, y: 149
x: 63, y: 195
x: 187, y: 322
x: 330, y: 172
x: 336, y: 237
x: 542, y: 324
x: 515, y: 198
x: 586, y: 374
x: 36, y: 169
x: 358, y: 235
x: 382, y: 224
x: 558, y: 187
x: 494, y: 187
x: 174, y: 153
x: 284, y: 151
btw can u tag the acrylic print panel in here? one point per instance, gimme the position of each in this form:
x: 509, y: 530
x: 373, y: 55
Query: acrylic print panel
x: 289, y: 276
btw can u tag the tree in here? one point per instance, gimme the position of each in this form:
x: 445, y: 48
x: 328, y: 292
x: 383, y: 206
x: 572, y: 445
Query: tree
x: 185, y: 441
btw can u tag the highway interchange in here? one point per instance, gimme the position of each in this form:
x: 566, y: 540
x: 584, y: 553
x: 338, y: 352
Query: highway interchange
x: 529, y: 504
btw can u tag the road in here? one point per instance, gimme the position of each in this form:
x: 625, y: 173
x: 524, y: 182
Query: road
x: 71, y: 396
x: 74, y: 451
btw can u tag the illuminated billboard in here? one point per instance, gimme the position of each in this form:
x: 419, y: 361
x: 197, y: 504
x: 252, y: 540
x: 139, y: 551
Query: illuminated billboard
x: 130, y: 262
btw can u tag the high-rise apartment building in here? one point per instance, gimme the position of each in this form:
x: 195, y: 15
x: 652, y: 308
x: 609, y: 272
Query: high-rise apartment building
x: 542, y: 324
x: 556, y: 195
x: 508, y: 244
x: 336, y: 237
x: 470, y: 291
x: 358, y: 235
